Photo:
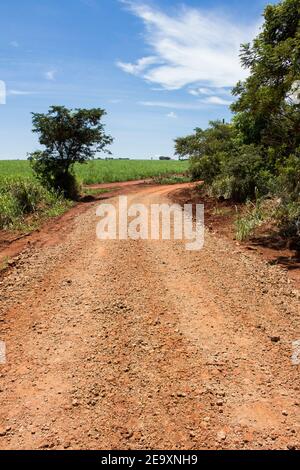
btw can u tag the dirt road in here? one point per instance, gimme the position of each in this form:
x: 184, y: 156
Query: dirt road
x: 144, y: 345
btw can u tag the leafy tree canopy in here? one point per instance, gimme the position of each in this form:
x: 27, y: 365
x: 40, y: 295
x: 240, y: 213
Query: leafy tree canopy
x: 69, y: 136
x: 268, y: 102
x: 206, y: 142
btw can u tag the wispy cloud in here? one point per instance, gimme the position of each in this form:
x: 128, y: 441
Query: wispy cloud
x: 14, y: 44
x: 216, y: 100
x: 209, y: 91
x: 200, y: 91
x: 197, y: 105
x: 140, y: 66
x: 50, y: 75
x: 21, y: 92
x: 2, y: 92
x: 172, y: 115
x: 171, y: 104
x: 192, y: 46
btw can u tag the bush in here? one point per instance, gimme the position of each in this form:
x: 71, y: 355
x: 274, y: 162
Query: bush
x: 288, y: 182
x: 240, y: 175
x: 288, y: 216
x: 248, y: 175
x: 205, y: 168
x: 52, y: 176
x: 20, y: 197
x: 288, y: 190
x: 9, y: 210
x: 222, y: 187
x: 253, y: 217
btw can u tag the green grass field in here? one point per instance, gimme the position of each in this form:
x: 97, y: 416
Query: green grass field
x: 103, y: 171
x: 24, y: 202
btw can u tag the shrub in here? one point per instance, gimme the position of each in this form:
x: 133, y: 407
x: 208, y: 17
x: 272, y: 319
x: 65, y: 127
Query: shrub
x: 288, y: 218
x: 253, y: 217
x: 50, y: 174
x: 206, y: 168
x: 222, y: 187
x: 9, y: 210
x: 245, y: 175
x: 288, y: 182
x: 20, y: 197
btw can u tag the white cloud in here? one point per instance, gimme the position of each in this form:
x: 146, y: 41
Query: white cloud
x: 200, y: 91
x: 199, y: 104
x: 171, y: 104
x: 209, y: 91
x: 2, y: 92
x: 140, y: 66
x: 217, y: 101
x: 50, y: 75
x: 194, y: 46
x: 172, y: 115
x: 20, y: 93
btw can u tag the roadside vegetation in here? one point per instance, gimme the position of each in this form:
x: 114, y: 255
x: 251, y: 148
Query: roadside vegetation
x: 172, y: 179
x: 47, y: 184
x: 24, y: 202
x: 255, y: 159
x: 68, y: 137
x: 114, y: 171
x: 104, y: 171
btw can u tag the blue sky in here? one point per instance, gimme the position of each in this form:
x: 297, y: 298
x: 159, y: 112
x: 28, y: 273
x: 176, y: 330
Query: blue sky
x: 160, y: 68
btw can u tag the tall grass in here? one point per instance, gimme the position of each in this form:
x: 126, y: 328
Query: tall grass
x: 110, y: 171
x: 104, y: 171
x: 21, y: 198
x: 24, y: 201
x: 254, y: 215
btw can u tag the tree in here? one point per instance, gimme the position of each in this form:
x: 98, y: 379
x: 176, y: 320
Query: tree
x: 268, y: 104
x: 217, y: 137
x: 70, y: 136
x: 187, y: 147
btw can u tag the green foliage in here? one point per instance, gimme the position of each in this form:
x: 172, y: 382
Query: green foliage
x: 288, y: 216
x: 206, y: 168
x: 233, y: 170
x: 103, y: 171
x: 172, y: 179
x: 70, y: 136
x: 22, y: 197
x: 245, y: 169
x: 288, y: 189
x: 268, y: 102
x: 112, y: 171
x: 24, y: 200
x: 258, y: 154
x: 222, y: 187
x: 208, y: 149
x: 218, y: 137
x: 288, y: 183
x: 252, y: 218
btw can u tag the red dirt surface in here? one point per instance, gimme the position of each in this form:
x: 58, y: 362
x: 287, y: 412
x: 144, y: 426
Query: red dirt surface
x: 219, y: 219
x: 144, y: 345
